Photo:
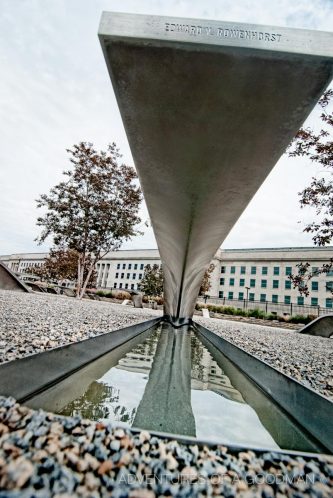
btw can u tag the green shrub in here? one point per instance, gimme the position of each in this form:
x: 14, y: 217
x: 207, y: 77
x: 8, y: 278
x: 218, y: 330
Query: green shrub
x: 108, y: 294
x: 256, y: 313
x: 301, y: 319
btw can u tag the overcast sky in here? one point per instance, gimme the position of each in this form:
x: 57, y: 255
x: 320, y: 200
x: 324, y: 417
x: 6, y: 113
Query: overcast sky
x: 55, y: 91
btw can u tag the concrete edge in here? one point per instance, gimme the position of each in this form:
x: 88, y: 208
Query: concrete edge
x: 9, y: 281
x: 189, y: 440
x: 319, y: 327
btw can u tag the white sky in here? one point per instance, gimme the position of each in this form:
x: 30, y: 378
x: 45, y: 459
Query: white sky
x: 55, y: 91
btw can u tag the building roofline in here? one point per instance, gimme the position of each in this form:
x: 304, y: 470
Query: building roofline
x: 295, y: 248
x: 242, y: 250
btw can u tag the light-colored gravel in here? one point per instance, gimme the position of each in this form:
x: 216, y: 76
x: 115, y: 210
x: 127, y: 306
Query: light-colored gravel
x: 306, y: 358
x: 31, y: 323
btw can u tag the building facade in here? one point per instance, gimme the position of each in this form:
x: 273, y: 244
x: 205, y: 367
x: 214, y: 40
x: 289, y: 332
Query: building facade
x: 242, y: 277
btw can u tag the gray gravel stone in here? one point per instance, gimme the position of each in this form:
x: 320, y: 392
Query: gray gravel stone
x: 31, y: 323
x: 306, y: 358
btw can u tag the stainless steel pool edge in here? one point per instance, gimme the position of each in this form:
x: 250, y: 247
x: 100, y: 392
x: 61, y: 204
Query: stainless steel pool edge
x: 312, y: 411
x: 26, y: 377
x: 233, y: 447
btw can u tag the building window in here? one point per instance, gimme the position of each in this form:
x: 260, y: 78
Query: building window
x: 252, y: 282
x: 329, y: 286
x: 222, y: 281
x: 126, y: 286
x: 264, y: 284
x: 314, y: 270
x: 243, y: 270
x: 287, y: 284
x: 329, y: 273
x: 300, y: 300
x: 230, y: 295
x: 220, y: 294
x: 134, y: 276
x: 264, y: 270
x: 140, y: 276
x: 136, y: 266
x: 129, y: 266
x: 222, y: 269
x: 275, y: 284
x: 241, y: 282
x: 132, y: 286
x: 240, y: 295
x: 128, y: 275
x: 286, y: 299
x: 122, y: 275
x: 314, y: 285
x: 262, y: 298
x: 314, y: 301
x: 233, y: 269
x: 276, y: 270
x: 124, y: 266
x: 329, y: 302
x: 232, y: 281
x: 115, y: 285
x: 288, y: 270
x: 275, y: 298
x: 120, y: 285
x: 253, y: 270
x: 141, y: 266
x: 117, y: 275
x: 251, y: 296
x: 118, y: 266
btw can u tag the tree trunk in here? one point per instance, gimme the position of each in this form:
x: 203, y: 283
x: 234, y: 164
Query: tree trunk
x: 85, y: 283
x: 78, y: 285
x: 80, y: 273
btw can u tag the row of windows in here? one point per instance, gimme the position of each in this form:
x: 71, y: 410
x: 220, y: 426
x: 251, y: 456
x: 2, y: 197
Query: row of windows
x: 126, y: 286
x: 275, y: 298
x: 275, y: 284
x: 264, y: 270
x: 129, y: 266
x: 29, y: 265
x: 253, y: 270
x: 128, y: 275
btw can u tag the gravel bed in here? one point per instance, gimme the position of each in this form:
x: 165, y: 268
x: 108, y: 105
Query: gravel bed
x: 306, y: 358
x: 44, y: 455
x: 31, y: 323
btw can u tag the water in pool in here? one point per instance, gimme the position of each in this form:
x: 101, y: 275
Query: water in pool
x: 170, y: 381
